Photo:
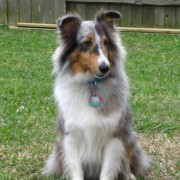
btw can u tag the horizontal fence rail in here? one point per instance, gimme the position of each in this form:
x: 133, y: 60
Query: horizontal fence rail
x: 136, y: 13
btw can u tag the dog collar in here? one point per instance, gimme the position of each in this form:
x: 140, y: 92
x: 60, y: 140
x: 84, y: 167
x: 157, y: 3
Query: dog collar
x: 95, y: 81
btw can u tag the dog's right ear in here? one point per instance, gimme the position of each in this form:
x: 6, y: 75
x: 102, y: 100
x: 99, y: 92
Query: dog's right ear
x: 69, y: 25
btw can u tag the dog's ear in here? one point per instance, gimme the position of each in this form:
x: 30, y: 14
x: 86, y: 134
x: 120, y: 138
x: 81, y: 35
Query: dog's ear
x: 69, y: 25
x: 107, y: 17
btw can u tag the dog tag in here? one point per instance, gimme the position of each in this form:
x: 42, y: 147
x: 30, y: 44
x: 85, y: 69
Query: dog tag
x: 95, y: 100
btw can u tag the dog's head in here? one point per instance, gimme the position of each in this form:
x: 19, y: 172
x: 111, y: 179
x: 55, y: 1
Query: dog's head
x: 88, y: 46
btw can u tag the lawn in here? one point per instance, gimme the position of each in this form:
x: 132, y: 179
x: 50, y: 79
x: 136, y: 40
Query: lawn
x: 28, y: 111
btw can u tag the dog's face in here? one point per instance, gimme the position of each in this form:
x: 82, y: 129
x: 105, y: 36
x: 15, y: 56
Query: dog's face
x: 88, y: 45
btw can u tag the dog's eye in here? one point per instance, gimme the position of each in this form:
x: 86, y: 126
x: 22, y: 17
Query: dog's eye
x: 85, y: 45
x: 88, y: 43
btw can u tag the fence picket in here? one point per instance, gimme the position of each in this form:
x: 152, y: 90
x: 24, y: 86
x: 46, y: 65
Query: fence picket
x: 169, y: 17
x: 59, y: 8
x: 37, y: 13
x: 81, y: 9
x: 136, y: 16
x: 48, y: 11
x: 177, y: 17
x: 147, y: 16
x: 25, y: 11
x: 159, y: 17
x: 126, y: 15
x: 13, y: 11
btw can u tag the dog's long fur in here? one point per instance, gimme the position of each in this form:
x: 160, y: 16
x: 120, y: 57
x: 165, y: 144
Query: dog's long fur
x: 93, y: 143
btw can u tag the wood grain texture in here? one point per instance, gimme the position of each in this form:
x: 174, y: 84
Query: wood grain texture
x: 148, y: 30
x: 25, y: 10
x: 170, y: 17
x: 159, y: 17
x: 148, y: 16
x: 93, y: 8
x: 70, y: 7
x: 126, y: 29
x: 48, y: 11
x: 13, y: 11
x: 137, y: 13
x: 177, y: 17
x: 59, y: 8
x: 81, y: 9
x: 37, y: 13
x: 136, y: 16
x: 36, y: 25
x: 126, y: 15
x: 3, y: 12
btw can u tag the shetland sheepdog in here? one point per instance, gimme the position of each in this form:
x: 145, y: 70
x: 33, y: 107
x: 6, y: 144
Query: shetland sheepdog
x: 96, y: 140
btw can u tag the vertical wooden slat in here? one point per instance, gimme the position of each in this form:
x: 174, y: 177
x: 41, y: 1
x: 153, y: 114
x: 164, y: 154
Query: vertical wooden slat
x: 25, y: 10
x: 158, y: 16
x: 116, y: 7
x: 70, y: 7
x: 59, y: 8
x: 126, y: 15
x: 81, y: 9
x: 93, y: 8
x: 136, y: 16
x: 3, y: 12
x: 48, y: 11
x: 148, y: 16
x: 13, y: 11
x: 104, y: 6
x: 170, y: 17
x: 177, y: 17
x: 37, y: 13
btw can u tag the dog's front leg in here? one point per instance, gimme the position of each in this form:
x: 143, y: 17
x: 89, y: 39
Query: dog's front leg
x: 114, y: 161
x: 73, y: 165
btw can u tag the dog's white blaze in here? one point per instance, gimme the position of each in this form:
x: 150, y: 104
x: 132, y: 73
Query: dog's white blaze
x: 102, y: 58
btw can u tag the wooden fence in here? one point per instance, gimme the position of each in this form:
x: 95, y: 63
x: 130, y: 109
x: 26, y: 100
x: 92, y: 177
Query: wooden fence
x: 136, y: 13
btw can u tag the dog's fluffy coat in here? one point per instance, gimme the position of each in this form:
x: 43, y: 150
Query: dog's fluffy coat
x: 93, y: 143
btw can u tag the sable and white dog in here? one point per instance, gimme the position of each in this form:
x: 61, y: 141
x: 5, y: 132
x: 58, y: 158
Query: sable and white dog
x: 96, y: 139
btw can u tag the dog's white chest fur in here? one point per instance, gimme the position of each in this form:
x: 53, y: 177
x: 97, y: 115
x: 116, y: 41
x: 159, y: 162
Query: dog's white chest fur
x: 77, y: 112
x: 89, y: 127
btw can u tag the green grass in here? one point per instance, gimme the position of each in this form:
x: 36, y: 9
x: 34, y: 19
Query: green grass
x: 27, y: 109
x: 153, y: 67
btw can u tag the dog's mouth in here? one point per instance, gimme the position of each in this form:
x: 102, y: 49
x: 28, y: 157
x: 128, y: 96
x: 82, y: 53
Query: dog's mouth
x: 101, y: 76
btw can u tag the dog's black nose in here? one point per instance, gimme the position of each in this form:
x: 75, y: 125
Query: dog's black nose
x: 104, y: 68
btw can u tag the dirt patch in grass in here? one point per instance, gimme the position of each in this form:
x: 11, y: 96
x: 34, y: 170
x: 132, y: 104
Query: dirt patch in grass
x: 165, y: 154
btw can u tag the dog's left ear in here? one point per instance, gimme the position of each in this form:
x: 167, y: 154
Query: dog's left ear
x: 107, y: 17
